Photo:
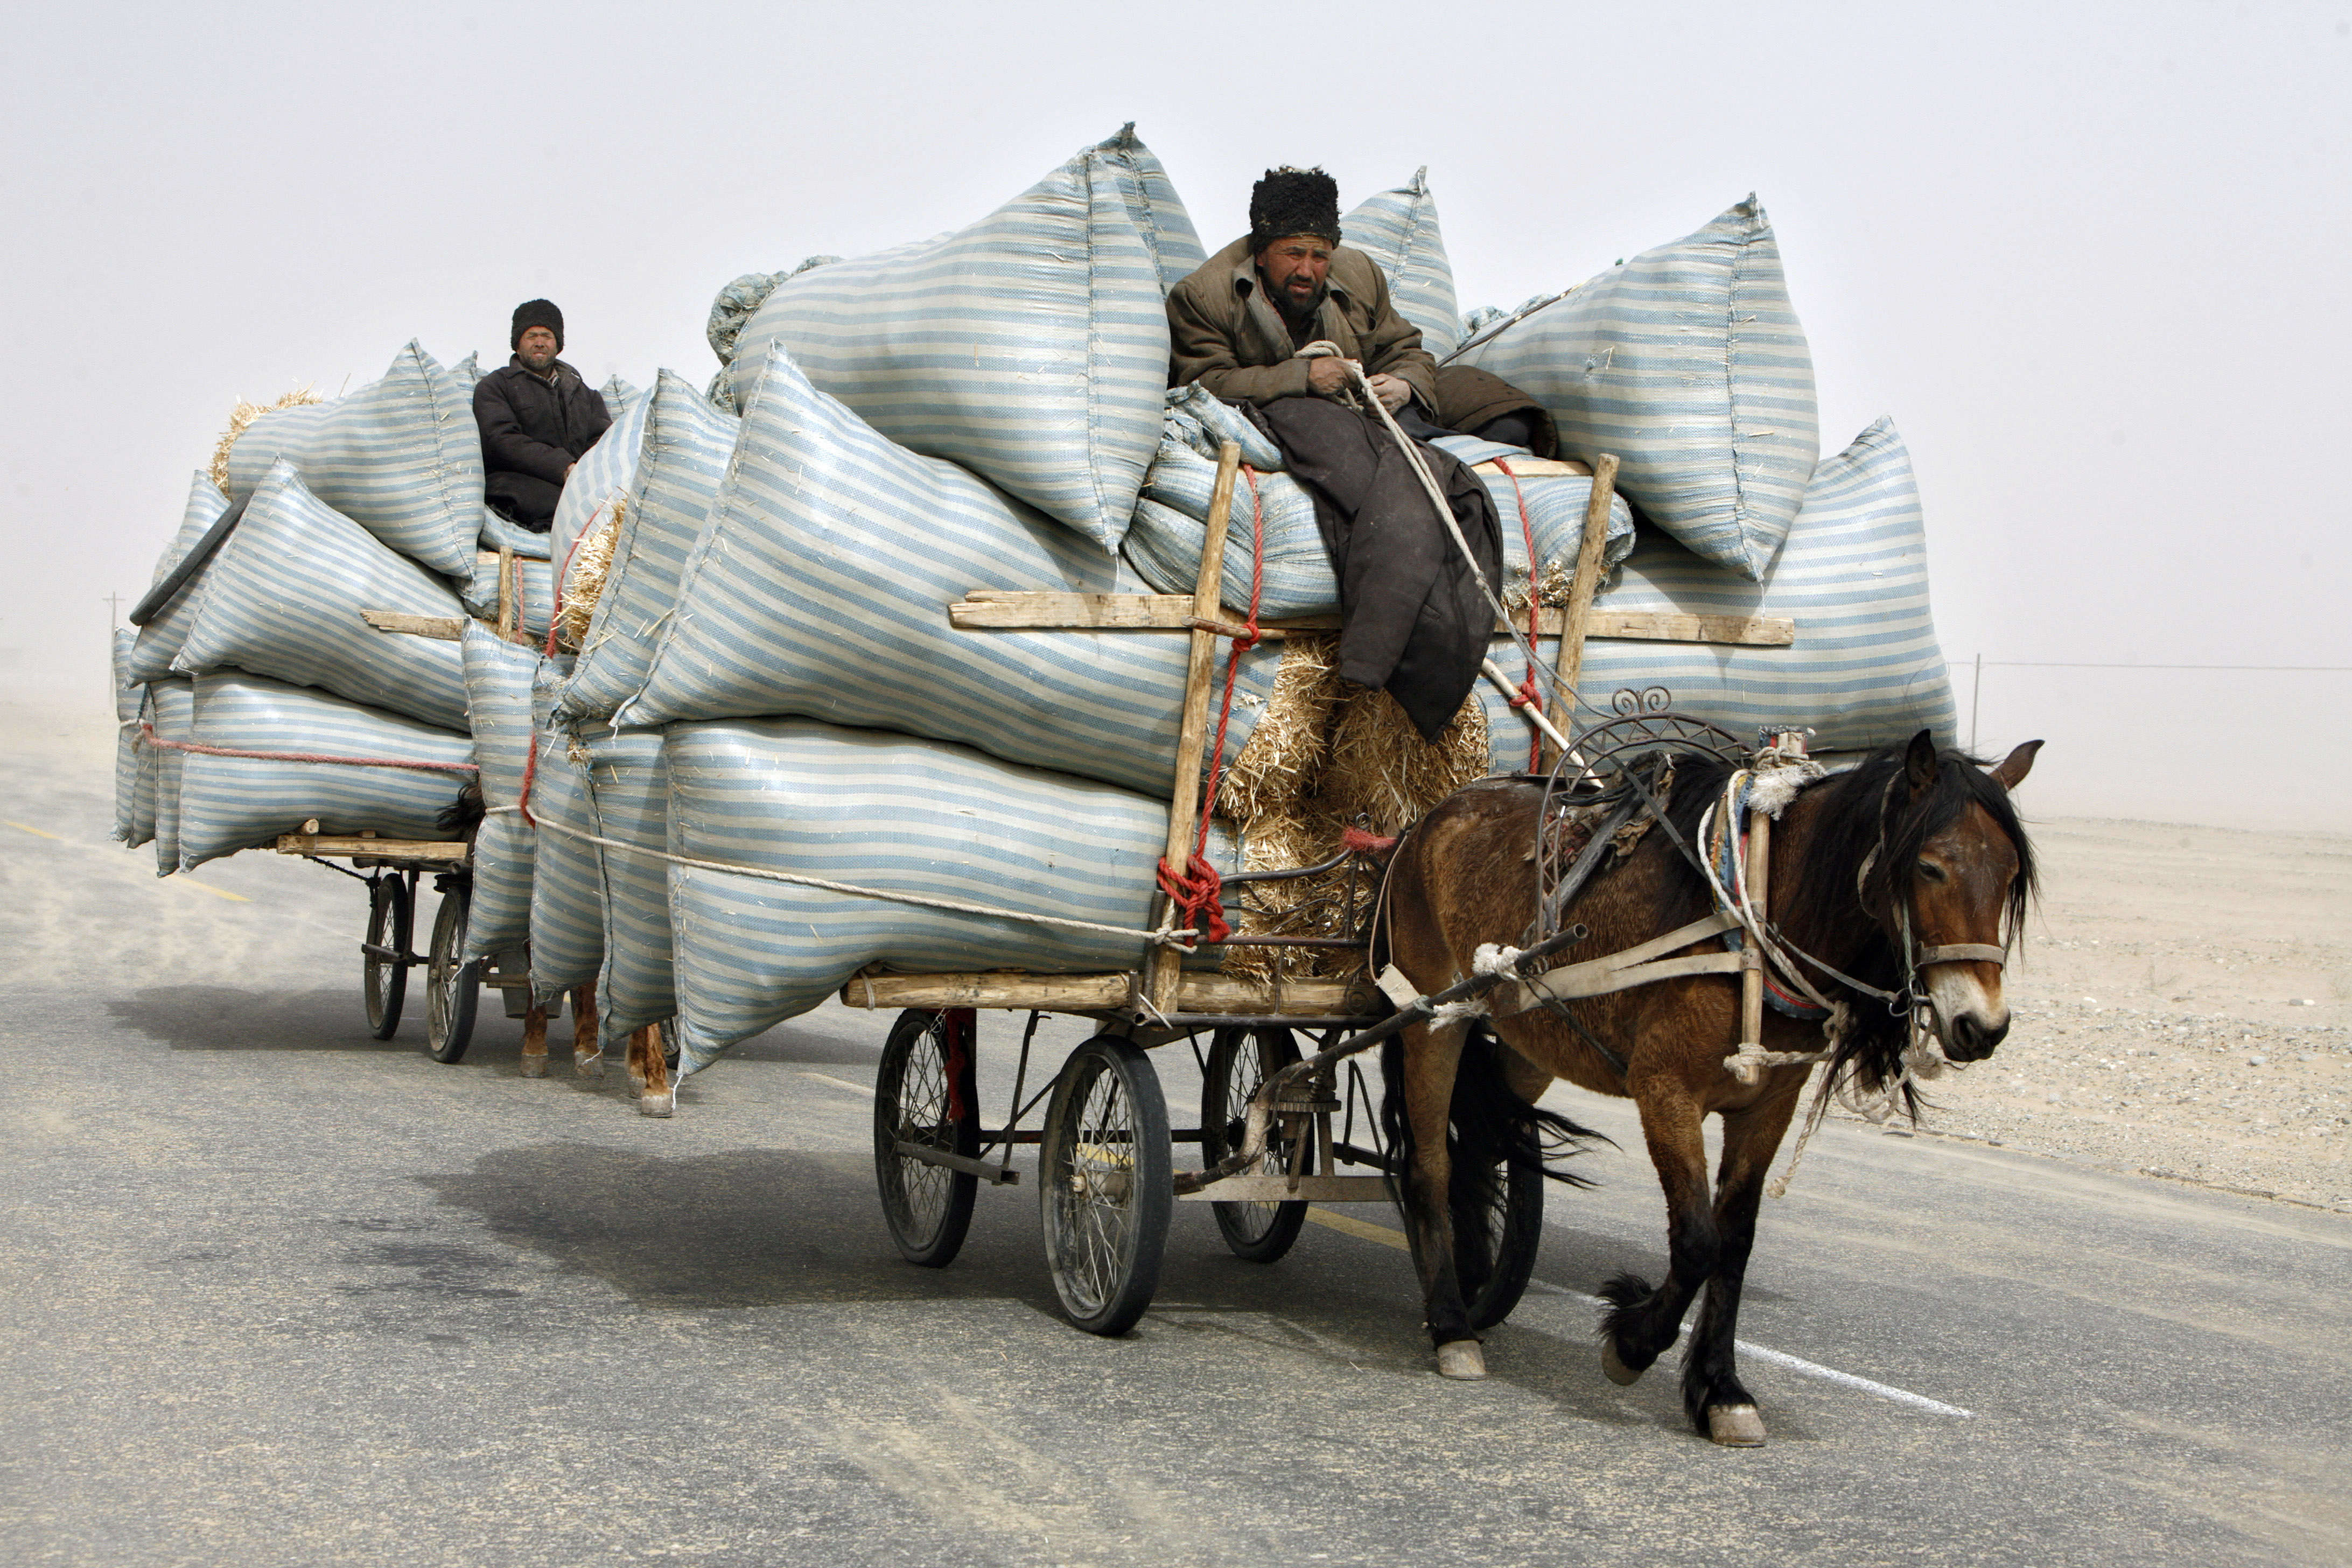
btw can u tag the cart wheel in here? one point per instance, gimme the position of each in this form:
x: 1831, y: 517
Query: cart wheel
x: 451, y: 987
x: 926, y: 1095
x: 1239, y: 1061
x: 1107, y: 1183
x: 383, y: 982
x: 1495, y: 1244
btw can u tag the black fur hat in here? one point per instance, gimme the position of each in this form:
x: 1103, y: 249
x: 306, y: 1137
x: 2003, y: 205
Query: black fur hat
x: 1294, y: 201
x: 536, y: 314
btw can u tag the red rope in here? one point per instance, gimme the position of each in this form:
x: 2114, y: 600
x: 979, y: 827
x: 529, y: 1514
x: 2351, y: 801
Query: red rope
x: 1528, y: 695
x: 1199, y: 893
x: 156, y: 740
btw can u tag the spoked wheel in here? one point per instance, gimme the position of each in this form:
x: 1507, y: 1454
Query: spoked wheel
x: 1494, y: 1243
x: 1105, y: 1183
x: 452, y: 986
x: 926, y: 1097
x: 1239, y: 1061
x: 383, y: 982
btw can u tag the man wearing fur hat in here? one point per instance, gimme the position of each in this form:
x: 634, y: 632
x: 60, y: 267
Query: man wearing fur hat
x: 1413, y: 620
x: 537, y: 417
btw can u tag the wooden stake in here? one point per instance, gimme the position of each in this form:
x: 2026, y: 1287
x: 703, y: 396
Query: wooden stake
x: 510, y: 611
x: 1184, y: 804
x: 1570, y: 661
x: 1751, y: 955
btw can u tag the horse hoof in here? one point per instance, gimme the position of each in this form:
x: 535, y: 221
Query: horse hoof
x: 534, y: 1066
x: 589, y: 1067
x: 1616, y: 1371
x: 1461, y: 1360
x: 1735, y: 1426
x: 662, y: 1104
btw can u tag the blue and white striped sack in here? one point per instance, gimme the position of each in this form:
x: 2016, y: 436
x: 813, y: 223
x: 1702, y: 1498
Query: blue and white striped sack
x: 159, y: 639
x: 498, y: 533
x: 870, y: 809
x: 283, y: 598
x: 1398, y: 230
x: 604, y: 473
x: 1866, y: 668
x: 401, y: 456
x: 172, y: 708
x: 228, y: 803
x: 1688, y: 362
x: 629, y: 791
x: 686, y: 445
x: 498, y: 703
x: 134, y: 760
x: 820, y: 583
x: 567, y: 897
x: 1171, y: 525
x: 1031, y: 347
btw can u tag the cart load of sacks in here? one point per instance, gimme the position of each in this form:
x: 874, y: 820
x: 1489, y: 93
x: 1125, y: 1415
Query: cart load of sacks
x: 745, y: 754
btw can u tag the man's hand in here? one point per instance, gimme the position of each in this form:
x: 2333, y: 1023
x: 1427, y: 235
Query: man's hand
x: 1329, y: 376
x: 1394, y: 392
x: 568, y: 468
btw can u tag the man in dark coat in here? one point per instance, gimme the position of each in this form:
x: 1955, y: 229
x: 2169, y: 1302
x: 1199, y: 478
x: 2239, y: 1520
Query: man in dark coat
x: 537, y: 419
x: 1412, y: 618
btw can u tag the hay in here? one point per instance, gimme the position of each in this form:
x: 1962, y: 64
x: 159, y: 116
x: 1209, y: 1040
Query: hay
x: 245, y: 414
x: 591, y: 566
x: 1323, y: 755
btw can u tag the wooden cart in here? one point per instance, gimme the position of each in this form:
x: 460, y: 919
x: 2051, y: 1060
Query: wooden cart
x: 1106, y: 1162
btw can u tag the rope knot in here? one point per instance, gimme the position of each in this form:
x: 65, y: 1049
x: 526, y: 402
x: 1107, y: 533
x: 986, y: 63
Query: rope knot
x: 1198, y: 896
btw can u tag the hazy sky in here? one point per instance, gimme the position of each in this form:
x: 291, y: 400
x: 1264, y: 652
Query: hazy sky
x: 2093, y: 259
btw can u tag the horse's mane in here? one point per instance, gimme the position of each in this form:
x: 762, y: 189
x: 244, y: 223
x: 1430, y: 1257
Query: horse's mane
x: 1859, y: 813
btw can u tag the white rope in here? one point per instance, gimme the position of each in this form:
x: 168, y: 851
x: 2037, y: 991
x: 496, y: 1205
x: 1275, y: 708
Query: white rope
x: 1492, y: 958
x: 1176, y: 939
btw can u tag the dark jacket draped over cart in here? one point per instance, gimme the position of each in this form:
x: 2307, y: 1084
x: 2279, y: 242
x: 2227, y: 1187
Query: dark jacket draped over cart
x: 1412, y: 617
x: 533, y: 428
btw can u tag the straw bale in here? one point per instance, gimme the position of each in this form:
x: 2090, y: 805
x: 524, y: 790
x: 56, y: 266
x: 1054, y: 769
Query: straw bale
x: 592, y: 565
x: 245, y: 414
x: 1323, y: 754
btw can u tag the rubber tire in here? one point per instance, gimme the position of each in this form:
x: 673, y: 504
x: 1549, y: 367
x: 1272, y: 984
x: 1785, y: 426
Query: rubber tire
x: 384, y: 985
x: 452, y: 989
x: 921, y: 1038
x: 1515, y: 1224
x: 1111, y: 1304
x: 1254, y: 1232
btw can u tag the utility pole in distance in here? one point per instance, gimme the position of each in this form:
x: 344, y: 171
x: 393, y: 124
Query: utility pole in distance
x: 114, y: 613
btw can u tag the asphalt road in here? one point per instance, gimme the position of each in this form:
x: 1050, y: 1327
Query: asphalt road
x: 271, y: 1292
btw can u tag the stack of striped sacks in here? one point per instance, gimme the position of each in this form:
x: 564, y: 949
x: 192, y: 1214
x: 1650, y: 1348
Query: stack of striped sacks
x: 258, y: 675
x: 770, y: 697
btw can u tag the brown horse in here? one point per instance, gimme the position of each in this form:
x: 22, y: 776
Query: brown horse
x: 1908, y: 830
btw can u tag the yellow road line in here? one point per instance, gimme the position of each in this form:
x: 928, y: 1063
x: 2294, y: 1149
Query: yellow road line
x: 1348, y: 1225
x: 24, y: 828
x: 207, y: 887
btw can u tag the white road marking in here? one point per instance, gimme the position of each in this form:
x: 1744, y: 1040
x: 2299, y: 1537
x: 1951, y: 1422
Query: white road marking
x: 1387, y: 1236
x: 839, y: 1083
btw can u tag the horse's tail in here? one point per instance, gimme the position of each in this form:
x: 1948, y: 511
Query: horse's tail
x: 461, y: 815
x: 1489, y: 1131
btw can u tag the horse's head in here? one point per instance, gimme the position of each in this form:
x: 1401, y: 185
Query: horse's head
x: 1957, y: 865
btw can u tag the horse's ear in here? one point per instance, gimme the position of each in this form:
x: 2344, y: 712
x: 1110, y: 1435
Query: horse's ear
x: 2016, y: 765
x: 1919, y: 762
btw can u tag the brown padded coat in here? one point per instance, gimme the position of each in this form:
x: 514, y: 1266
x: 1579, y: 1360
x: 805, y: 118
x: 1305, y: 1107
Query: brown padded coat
x: 1226, y: 334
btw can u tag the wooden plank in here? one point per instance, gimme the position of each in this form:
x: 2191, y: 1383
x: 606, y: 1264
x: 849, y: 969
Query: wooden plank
x: 330, y: 843
x: 1576, y: 625
x: 1047, y: 992
x: 1196, y: 991
x: 441, y: 628
x: 1005, y: 609
x: 1185, y: 807
x: 1536, y: 468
